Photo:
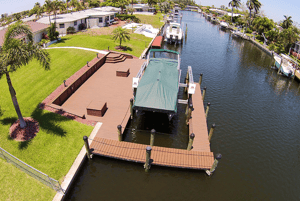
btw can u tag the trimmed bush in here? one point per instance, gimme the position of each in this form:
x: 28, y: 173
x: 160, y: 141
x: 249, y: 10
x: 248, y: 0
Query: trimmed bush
x: 81, y: 26
x: 70, y: 30
x: 124, y: 17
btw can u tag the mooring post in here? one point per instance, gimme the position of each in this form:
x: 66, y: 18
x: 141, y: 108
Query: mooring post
x: 214, y: 166
x: 200, y: 79
x: 279, y: 66
x: 87, y: 147
x: 190, y: 106
x: 211, y: 131
x: 147, y: 164
x: 87, y: 64
x: 152, y: 137
x: 207, y: 109
x: 186, y: 81
x: 119, y: 132
x: 131, y: 108
x: 65, y: 83
x: 191, y: 140
x: 203, y: 94
x: 108, y: 48
x: 97, y: 56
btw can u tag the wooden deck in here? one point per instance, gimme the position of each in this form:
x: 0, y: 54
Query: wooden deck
x: 160, y: 155
x: 197, y: 123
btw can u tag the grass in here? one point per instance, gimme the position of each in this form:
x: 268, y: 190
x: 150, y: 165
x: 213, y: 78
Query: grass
x: 17, y: 185
x: 59, y: 140
x: 154, y: 20
x: 135, y: 46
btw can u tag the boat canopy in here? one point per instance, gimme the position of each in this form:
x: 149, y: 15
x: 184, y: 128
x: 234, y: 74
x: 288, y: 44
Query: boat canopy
x: 158, y: 88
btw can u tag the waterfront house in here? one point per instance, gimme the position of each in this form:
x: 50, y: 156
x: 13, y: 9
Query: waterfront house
x: 38, y: 29
x: 90, y: 18
x: 141, y: 8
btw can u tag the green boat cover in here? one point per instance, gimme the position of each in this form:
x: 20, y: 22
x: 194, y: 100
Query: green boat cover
x: 158, y: 88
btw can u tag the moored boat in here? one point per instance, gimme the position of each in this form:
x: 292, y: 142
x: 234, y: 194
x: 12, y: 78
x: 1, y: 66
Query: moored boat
x: 174, y: 33
x: 285, y: 65
x: 224, y: 25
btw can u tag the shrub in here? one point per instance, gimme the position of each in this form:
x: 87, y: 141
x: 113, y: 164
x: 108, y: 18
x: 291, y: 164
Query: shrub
x: 43, y: 41
x: 124, y: 17
x: 70, y: 30
x: 52, y: 33
x: 81, y: 26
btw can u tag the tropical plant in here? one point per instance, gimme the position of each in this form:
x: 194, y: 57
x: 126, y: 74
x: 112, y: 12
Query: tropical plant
x: 52, y: 33
x: 253, y: 4
x: 71, y: 30
x: 16, y: 53
x: 287, y: 22
x: 263, y: 24
x: 48, y: 6
x: 288, y: 37
x: 120, y: 34
x: 234, y: 3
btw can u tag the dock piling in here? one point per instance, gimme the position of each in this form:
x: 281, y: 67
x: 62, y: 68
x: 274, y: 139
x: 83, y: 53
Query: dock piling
x: 203, y: 94
x: 131, y: 108
x: 207, y: 109
x: 214, y: 166
x: 191, y: 140
x: 211, y: 131
x: 147, y: 164
x: 152, y: 137
x: 200, y: 79
x: 189, y: 113
x: 65, y: 83
x: 87, y: 147
x: 119, y: 132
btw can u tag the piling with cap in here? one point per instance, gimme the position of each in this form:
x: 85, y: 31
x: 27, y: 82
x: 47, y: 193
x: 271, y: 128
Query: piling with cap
x: 152, y: 137
x: 131, y: 108
x: 147, y: 164
x: 119, y: 132
x: 215, y: 164
x: 191, y: 140
x: 211, y: 131
x: 207, y: 109
x: 203, y: 93
x: 200, y: 78
x: 65, y: 83
x: 87, y: 147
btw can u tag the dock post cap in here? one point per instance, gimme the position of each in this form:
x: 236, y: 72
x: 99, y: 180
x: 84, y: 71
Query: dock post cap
x: 213, y: 125
x: 208, y: 104
x: 85, y: 137
x: 201, y: 74
x: 153, y: 131
x: 218, y: 156
x: 190, y: 105
x: 192, y: 135
x: 148, y: 148
x: 131, y: 100
x: 204, y: 88
x: 119, y: 127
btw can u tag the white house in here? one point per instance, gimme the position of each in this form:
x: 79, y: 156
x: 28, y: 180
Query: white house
x: 91, y: 18
x: 141, y: 8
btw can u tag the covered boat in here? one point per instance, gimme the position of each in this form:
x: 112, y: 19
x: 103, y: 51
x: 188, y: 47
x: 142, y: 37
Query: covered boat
x: 157, y: 89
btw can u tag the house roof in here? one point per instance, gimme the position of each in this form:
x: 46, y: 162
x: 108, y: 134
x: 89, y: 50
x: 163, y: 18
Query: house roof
x: 74, y: 16
x: 34, y: 26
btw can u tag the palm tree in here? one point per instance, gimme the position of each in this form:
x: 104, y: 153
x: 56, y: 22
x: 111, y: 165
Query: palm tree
x: 120, y: 34
x: 234, y: 3
x: 56, y: 5
x: 253, y: 4
x: 15, y: 53
x: 67, y: 1
x: 287, y: 22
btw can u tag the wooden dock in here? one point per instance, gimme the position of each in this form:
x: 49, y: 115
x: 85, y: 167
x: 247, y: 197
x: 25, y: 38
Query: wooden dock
x: 110, y: 89
x: 197, y: 124
x: 161, y: 156
x: 157, y: 42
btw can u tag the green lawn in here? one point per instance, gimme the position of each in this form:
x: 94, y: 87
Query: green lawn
x: 154, y: 20
x: 59, y: 140
x: 136, y: 45
x: 17, y: 185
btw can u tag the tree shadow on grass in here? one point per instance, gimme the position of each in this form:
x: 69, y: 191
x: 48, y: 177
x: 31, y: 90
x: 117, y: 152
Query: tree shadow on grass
x: 49, y: 121
x: 8, y: 120
x: 1, y: 112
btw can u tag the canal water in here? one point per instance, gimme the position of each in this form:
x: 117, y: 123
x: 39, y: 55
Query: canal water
x: 257, y: 115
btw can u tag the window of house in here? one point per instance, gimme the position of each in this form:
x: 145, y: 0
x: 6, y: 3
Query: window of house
x: 61, y: 26
x: 75, y: 23
x: 100, y: 20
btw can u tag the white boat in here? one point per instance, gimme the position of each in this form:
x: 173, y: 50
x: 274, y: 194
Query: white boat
x: 174, y: 33
x: 147, y: 30
x: 286, y: 67
x: 224, y: 25
x: 236, y: 33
